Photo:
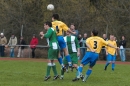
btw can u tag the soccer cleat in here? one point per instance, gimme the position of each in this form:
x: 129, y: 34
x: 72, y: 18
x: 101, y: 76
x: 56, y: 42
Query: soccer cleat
x: 112, y: 69
x: 67, y: 71
x: 47, y: 77
x: 71, y: 69
x: 84, y: 79
x: 75, y: 79
x: 56, y: 77
x: 105, y: 68
x: 61, y: 77
x: 64, y: 69
x: 82, y: 76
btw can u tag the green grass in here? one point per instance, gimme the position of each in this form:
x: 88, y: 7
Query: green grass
x: 27, y: 73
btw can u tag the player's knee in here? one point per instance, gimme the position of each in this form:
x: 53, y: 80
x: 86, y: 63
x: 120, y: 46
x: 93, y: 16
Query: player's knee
x: 90, y: 68
x: 81, y: 65
x: 65, y: 51
x: 75, y: 65
x: 113, y: 61
x: 109, y: 61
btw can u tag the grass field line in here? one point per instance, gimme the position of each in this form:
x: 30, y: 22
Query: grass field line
x: 45, y: 60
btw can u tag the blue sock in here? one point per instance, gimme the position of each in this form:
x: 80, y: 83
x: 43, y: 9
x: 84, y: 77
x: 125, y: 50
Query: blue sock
x: 68, y: 58
x: 80, y: 69
x: 60, y: 60
x: 88, y: 72
x: 113, y: 66
x: 107, y: 64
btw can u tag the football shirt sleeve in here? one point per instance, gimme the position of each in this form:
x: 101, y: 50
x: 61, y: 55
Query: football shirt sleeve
x: 104, y: 43
x: 64, y: 27
x: 48, y: 34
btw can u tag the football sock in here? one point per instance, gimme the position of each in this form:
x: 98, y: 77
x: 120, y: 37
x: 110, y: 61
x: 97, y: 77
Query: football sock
x: 80, y: 69
x: 54, y: 69
x: 87, y: 74
x: 113, y: 66
x: 60, y: 61
x: 62, y: 72
x: 107, y: 64
x: 67, y: 66
x: 77, y: 73
x: 68, y: 59
x: 48, y: 69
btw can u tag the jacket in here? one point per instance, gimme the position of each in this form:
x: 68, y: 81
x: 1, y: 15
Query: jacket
x: 12, y: 42
x: 22, y: 42
x: 33, y: 42
x: 3, y: 40
x: 122, y: 43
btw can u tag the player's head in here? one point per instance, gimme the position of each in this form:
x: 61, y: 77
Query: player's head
x: 12, y: 36
x: 21, y: 37
x: 72, y: 26
x: 68, y: 33
x: 94, y: 32
x: 47, y: 25
x: 123, y: 37
x: 85, y: 35
x: 55, y: 17
x: 111, y: 37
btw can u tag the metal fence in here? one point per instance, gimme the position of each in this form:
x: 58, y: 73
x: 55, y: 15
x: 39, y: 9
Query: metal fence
x: 44, y: 46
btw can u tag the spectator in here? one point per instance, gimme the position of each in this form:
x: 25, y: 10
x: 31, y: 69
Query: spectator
x: 83, y: 50
x: 12, y: 43
x: 21, y: 47
x: 33, y: 44
x: 103, y: 48
x: 3, y: 42
x: 122, y: 45
x: 80, y: 42
x: 72, y: 28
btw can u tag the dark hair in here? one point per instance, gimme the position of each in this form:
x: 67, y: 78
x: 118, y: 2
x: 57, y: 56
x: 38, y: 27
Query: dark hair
x: 55, y: 16
x: 72, y: 24
x: 123, y: 36
x: 95, y: 32
x: 48, y: 23
x: 34, y: 35
x: 112, y: 34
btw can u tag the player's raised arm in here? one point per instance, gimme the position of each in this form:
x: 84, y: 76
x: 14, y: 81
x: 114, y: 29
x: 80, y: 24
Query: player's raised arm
x: 66, y: 28
x: 71, y: 31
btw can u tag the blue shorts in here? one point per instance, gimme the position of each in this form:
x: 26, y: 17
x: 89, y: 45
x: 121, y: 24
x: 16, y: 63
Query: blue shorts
x: 61, y: 42
x: 90, y: 57
x: 111, y: 57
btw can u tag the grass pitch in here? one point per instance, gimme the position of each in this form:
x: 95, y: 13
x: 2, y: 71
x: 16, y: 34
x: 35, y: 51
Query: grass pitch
x: 30, y: 73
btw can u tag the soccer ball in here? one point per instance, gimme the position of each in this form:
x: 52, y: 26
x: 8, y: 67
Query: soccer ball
x: 50, y: 7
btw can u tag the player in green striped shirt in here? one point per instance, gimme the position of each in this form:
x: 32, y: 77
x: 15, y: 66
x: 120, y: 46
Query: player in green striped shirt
x: 53, y: 49
x: 73, y: 49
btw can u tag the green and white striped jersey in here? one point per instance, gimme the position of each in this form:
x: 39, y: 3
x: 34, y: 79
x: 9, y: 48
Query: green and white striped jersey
x: 72, y: 43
